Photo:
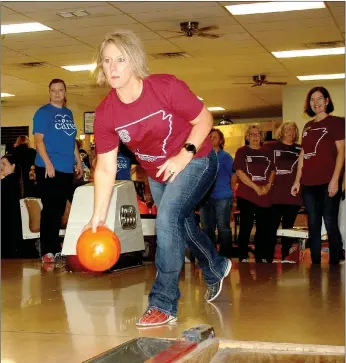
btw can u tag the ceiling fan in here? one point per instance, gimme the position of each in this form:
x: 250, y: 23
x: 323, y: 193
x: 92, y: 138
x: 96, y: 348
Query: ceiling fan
x: 260, y: 79
x: 190, y: 29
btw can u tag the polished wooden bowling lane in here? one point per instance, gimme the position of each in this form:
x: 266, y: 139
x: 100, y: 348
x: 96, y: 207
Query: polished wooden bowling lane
x: 52, y: 315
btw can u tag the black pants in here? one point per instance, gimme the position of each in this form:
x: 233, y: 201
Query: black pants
x: 285, y: 214
x: 248, y: 213
x: 319, y: 204
x: 54, y: 193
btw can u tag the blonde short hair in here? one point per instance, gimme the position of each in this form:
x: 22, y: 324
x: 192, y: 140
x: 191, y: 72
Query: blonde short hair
x: 280, y: 132
x: 130, y: 46
x: 255, y: 126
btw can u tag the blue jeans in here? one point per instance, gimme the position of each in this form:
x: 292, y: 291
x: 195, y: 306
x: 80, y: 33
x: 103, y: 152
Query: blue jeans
x: 216, y: 213
x: 176, y: 227
x: 319, y: 204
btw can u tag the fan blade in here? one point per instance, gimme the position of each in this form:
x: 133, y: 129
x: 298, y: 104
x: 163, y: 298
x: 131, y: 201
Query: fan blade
x: 206, y: 35
x: 243, y: 83
x: 208, y: 28
x: 176, y: 36
x: 170, y: 31
x: 278, y: 83
x: 255, y: 85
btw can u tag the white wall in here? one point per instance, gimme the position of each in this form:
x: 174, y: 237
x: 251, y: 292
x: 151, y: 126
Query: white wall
x: 294, y: 98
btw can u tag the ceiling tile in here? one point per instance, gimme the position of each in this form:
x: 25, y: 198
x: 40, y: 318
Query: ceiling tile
x: 138, y: 7
x: 213, y: 70
x: 30, y: 6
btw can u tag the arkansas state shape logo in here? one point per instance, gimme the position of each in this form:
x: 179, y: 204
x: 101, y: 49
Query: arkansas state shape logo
x: 129, y: 132
x: 312, y: 138
x: 257, y: 167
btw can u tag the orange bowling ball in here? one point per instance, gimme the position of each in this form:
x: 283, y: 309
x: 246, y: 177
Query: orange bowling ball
x: 98, y: 251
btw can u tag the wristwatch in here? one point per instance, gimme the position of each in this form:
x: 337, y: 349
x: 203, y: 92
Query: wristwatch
x: 191, y: 148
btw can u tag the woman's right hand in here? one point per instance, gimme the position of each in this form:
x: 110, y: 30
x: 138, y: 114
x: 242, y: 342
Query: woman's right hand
x: 259, y: 190
x: 95, y: 221
x: 50, y: 170
x: 295, y: 189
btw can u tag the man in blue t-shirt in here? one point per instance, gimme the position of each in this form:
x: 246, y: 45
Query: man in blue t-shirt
x: 124, y: 167
x: 125, y: 159
x: 215, y: 210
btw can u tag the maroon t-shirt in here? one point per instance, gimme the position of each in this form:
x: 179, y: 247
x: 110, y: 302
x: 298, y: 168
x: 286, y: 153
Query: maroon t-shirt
x: 285, y: 159
x: 320, y: 151
x: 257, y: 165
x: 154, y: 127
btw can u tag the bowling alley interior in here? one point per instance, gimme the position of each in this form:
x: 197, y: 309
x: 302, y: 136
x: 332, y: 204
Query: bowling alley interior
x: 252, y: 65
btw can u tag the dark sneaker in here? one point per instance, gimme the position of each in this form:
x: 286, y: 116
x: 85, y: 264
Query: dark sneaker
x: 154, y: 317
x: 213, y: 291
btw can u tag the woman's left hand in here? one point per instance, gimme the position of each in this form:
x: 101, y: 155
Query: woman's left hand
x: 173, y: 166
x: 333, y: 187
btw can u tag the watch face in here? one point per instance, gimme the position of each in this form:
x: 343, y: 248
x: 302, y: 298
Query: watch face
x: 190, y: 148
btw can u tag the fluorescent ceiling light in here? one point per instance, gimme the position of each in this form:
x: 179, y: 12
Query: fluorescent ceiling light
x: 200, y: 98
x: 273, y: 7
x: 70, y: 14
x: 80, y: 68
x: 23, y: 28
x: 314, y: 77
x: 309, y: 52
x: 6, y: 94
x: 216, y: 108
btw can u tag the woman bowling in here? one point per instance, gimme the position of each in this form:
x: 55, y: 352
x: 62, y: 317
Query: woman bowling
x: 166, y: 126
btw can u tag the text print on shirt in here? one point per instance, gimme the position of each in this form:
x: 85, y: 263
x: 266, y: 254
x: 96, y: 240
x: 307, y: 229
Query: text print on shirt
x: 65, y: 123
x: 285, y: 161
x: 316, y: 135
x: 125, y: 135
x: 122, y: 163
x: 256, y: 165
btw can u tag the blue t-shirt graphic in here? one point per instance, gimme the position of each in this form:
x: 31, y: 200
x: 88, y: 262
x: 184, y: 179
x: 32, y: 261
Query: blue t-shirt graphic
x: 222, y: 187
x: 59, y: 130
x: 124, y: 167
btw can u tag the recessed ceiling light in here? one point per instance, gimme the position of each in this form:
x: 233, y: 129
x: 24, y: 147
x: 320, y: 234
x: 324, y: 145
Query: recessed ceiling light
x: 217, y: 108
x: 66, y: 14
x: 200, y: 98
x: 273, y: 7
x: 23, y: 28
x: 80, y: 67
x: 6, y: 94
x: 314, y: 77
x: 309, y: 52
x: 80, y: 13
x: 74, y: 14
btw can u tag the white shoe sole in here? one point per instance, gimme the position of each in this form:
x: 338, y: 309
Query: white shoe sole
x: 229, y: 267
x: 172, y: 320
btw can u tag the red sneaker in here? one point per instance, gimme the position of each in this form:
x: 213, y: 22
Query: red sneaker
x: 154, y: 317
x: 48, y: 258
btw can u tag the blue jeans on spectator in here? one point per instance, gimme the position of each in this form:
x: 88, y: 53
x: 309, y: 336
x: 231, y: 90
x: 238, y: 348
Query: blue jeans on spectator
x: 319, y: 204
x: 176, y: 227
x: 216, y: 213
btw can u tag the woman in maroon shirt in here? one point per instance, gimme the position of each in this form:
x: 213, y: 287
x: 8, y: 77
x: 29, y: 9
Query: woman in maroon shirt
x: 254, y: 168
x: 320, y: 167
x: 285, y: 152
x: 166, y: 126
